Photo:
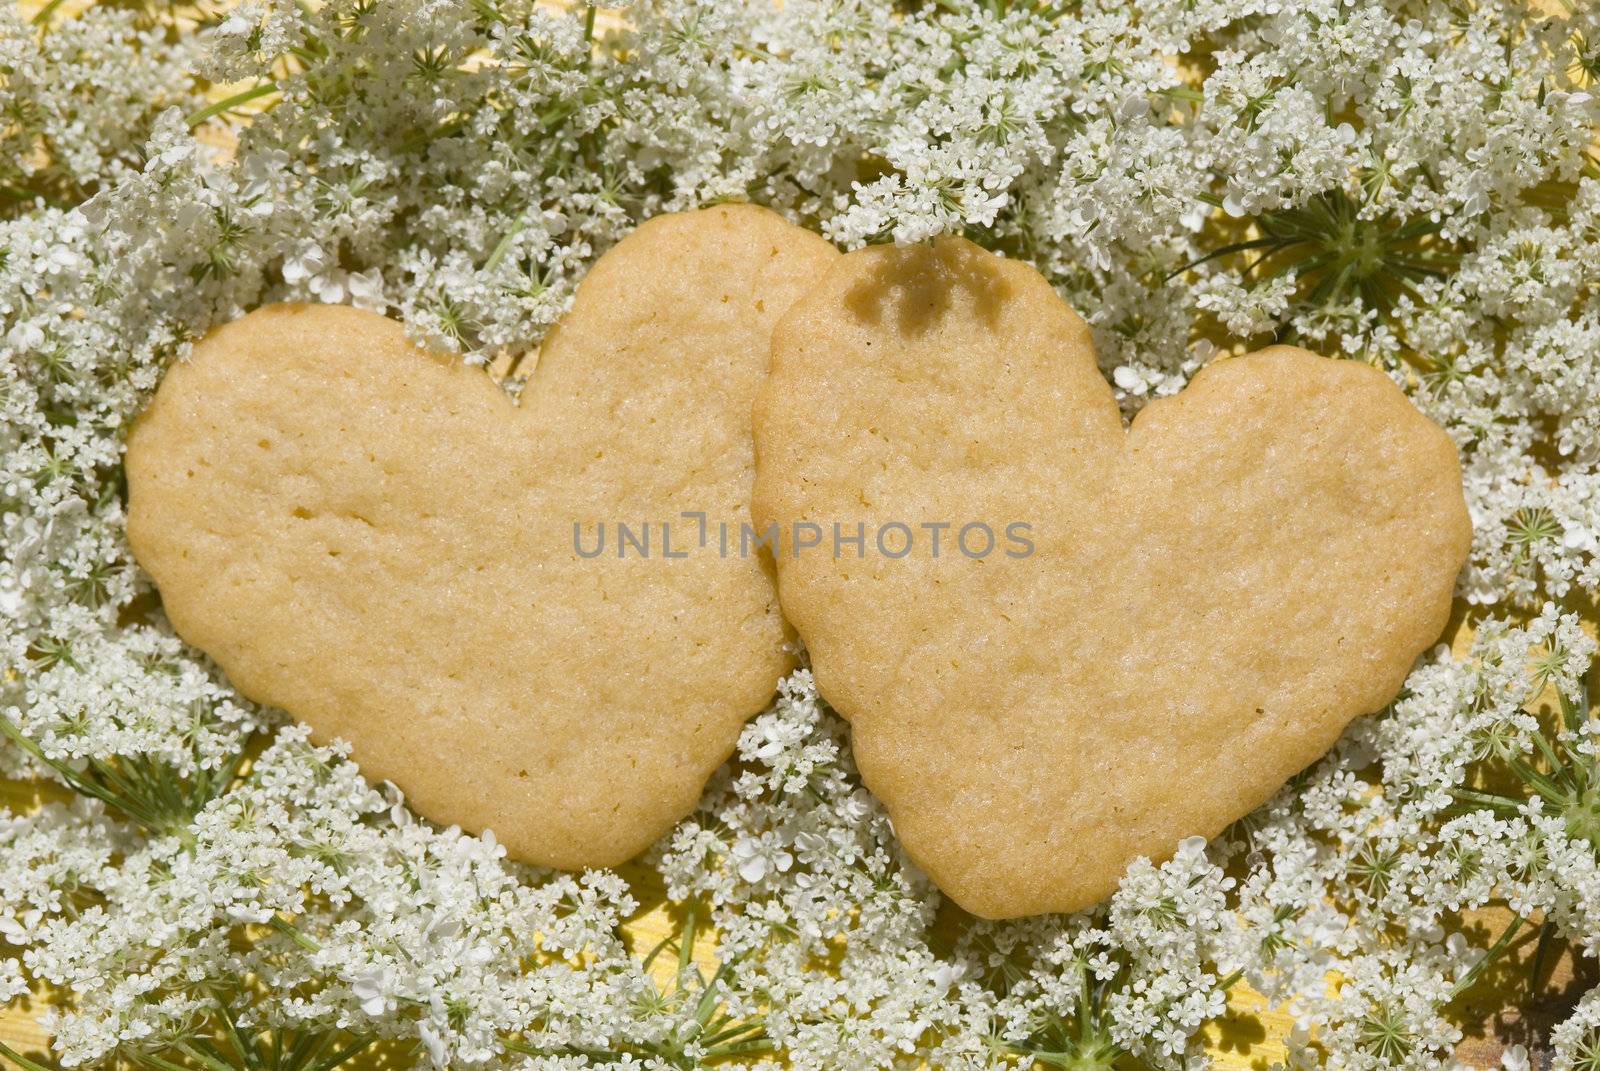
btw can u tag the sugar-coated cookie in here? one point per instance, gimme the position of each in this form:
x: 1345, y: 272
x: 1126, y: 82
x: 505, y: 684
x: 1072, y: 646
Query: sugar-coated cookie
x: 1187, y: 613
x: 379, y: 542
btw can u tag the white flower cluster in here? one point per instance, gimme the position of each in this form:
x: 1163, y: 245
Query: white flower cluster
x: 345, y: 909
x: 1407, y: 184
x: 79, y: 100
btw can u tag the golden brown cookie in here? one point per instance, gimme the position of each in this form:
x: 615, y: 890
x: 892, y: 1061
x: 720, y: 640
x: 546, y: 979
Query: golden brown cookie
x: 1210, y: 596
x: 380, y: 543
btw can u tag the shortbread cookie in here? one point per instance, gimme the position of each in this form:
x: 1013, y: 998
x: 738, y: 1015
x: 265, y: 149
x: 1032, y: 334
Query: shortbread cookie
x: 380, y: 543
x: 1210, y: 596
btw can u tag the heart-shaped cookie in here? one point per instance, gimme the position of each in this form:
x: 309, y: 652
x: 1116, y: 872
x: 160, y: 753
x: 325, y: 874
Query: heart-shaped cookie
x: 1169, y: 621
x: 380, y: 543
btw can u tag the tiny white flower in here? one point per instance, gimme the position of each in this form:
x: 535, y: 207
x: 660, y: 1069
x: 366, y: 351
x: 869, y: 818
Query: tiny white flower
x: 437, y: 1050
x: 371, y: 989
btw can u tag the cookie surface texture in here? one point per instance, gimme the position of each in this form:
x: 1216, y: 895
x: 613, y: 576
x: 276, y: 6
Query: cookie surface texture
x: 379, y: 542
x: 1210, y: 597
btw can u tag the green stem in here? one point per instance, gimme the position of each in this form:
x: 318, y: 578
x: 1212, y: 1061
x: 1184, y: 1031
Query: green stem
x: 708, y: 999
x: 504, y: 244
x: 343, y: 1054
x: 44, y: 13
x: 1487, y: 799
x: 75, y: 780
x: 20, y: 1060
x: 1550, y: 792
x: 686, y: 944
x: 1489, y: 956
x: 144, y: 794
x: 1575, y: 712
x: 741, y: 1048
x: 229, y: 1026
x: 201, y: 1058
x: 1085, y: 1004
x: 150, y: 1059
x: 293, y: 933
x: 1547, y: 932
x: 1236, y: 247
x: 1557, y: 767
x: 742, y: 1033
x: 229, y: 103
